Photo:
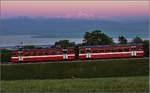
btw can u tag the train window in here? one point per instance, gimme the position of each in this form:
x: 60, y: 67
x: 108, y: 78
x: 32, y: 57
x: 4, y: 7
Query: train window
x: 94, y: 51
x: 139, y: 48
x: 30, y: 53
x: 20, y: 52
x: 52, y: 52
x: 57, y: 52
x: 34, y: 53
x: 71, y: 51
x: 133, y: 49
x: 101, y: 51
x: 40, y: 53
x: 65, y: 51
x: 114, y: 50
x: 119, y: 50
x: 60, y: 52
x: 26, y: 54
x: 126, y: 49
x: 46, y: 53
x: 87, y: 50
x: 14, y: 54
x: 43, y: 53
x: 107, y: 50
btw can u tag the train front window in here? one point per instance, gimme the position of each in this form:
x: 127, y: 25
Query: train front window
x: 65, y: 51
x: 87, y: 50
x: 139, y: 49
x: 133, y: 49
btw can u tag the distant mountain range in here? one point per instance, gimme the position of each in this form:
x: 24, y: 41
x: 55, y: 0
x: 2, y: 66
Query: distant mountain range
x: 73, y: 28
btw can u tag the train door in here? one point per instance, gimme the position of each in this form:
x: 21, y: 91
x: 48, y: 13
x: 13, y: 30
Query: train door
x: 133, y: 51
x: 88, y: 55
x: 65, y: 55
x: 76, y: 51
x: 20, y: 57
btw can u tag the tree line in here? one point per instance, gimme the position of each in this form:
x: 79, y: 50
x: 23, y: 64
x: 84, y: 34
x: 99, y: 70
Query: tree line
x: 96, y: 37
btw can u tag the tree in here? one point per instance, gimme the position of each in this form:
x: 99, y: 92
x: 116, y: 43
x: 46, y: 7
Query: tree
x: 122, y: 40
x: 5, y: 55
x: 146, y: 48
x: 137, y: 40
x: 29, y: 47
x: 64, y: 44
x: 97, y: 38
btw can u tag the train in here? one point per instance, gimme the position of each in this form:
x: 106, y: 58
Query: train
x: 77, y: 53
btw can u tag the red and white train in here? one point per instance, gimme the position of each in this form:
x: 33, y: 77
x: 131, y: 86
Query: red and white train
x: 84, y: 52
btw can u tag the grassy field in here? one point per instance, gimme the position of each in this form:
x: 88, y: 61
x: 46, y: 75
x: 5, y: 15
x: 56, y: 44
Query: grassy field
x: 90, y: 69
x: 113, y: 84
x: 118, y: 75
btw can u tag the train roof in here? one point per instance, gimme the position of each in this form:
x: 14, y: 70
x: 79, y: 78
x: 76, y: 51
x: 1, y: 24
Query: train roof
x: 111, y: 45
x: 95, y: 46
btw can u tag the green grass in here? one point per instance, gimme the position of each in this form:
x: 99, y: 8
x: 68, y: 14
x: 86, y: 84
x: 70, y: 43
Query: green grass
x: 85, y: 69
x: 113, y: 84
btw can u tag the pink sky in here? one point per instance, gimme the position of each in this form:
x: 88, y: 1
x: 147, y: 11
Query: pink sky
x: 75, y: 9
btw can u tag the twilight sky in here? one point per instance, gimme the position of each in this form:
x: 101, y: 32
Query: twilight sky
x: 75, y: 9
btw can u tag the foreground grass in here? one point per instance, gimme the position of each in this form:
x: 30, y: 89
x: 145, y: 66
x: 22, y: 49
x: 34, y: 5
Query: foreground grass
x: 114, y: 84
x: 85, y: 69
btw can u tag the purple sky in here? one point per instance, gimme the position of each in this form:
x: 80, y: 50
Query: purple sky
x: 75, y: 9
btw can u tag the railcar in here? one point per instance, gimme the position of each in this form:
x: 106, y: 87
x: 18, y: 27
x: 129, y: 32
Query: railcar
x: 83, y: 52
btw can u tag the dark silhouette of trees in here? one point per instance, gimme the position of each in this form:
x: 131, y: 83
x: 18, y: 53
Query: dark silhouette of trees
x: 122, y: 40
x: 137, y: 40
x: 97, y: 38
x: 29, y: 47
x: 64, y: 44
x: 146, y: 48
x: 5, y: 55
